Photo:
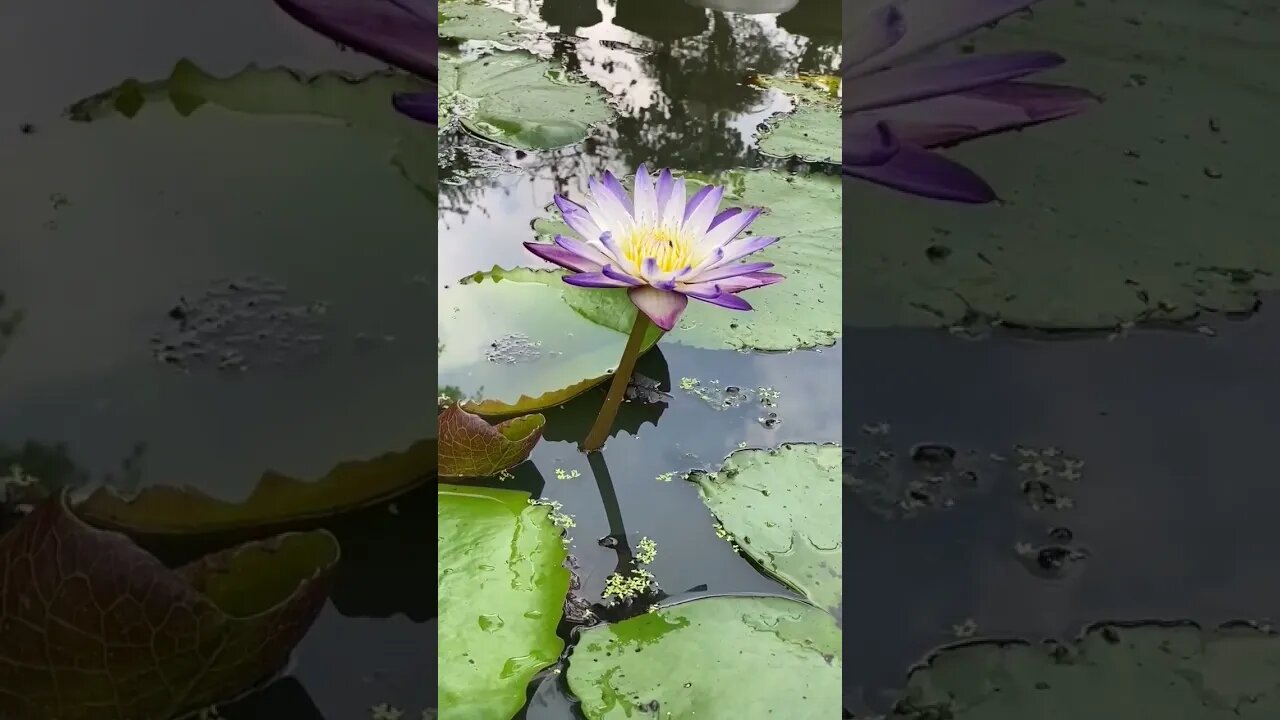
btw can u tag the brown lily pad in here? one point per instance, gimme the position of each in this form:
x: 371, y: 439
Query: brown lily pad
x: 278, y: 501
x: 471, y: 447
x: 93, y: 627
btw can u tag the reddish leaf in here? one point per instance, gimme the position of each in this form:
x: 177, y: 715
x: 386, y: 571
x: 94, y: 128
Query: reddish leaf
x: 94, y: 628
x: 471, y: 447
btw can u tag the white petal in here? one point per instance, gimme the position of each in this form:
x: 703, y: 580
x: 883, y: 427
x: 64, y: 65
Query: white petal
x: 646, y: 198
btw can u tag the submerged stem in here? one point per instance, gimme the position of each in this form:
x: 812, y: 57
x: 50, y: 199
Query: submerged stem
x: 618, y: 387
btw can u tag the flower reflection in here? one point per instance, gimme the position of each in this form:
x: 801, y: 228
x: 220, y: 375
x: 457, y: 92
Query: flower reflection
x: 902, y: 106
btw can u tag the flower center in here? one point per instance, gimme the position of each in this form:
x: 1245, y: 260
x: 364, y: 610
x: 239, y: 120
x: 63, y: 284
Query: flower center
x: 668, y: 247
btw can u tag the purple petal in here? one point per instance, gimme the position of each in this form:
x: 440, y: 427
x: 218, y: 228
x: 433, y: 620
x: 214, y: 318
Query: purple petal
x: 725, y: 300
x: 594, y: 280
x: 743, y: 247
x: 880, y: 30
x: 731, y: 227
x: 606, y: 239
x: 728, y: 271
x: 419, y: 106
x: 578, y: 218
x: 930, y: 23
x: 749, y: 281
x: 618, y: 192
x: 699, y: 219
x: 983, y: 111
x: 666, y: 188
x: 613, y: 274
x: 918, y: 82
x: 867, y: 142
x: 920, y: 172
x: 562, y: 257
x: 696, y: 201
x: 400, y: 32
x: 661, y: 306
x: 585, y: 251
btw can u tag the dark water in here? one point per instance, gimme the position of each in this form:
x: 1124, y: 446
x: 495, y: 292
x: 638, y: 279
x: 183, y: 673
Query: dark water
x: 1174, y: 507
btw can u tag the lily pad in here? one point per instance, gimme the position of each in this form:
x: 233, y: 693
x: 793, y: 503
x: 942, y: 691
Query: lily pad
x: 471, y: 20
x: 471, y: 447
x: 277, y: 501
x: 520, y: 100
x: 95, y: 627
x: 363, y: 101
x: 514, y: 341
x: 810, y: 131
x: 716, y: 657
x: 802, y: 311
x: 782, y: 508
x: 502, y: 585
x: 1154, y: 206
x: 1167, y: 671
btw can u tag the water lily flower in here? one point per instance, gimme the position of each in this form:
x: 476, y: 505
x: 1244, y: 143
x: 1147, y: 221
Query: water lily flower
x: 903, y: 105
x: 662, y: 248
x: 403, y: 33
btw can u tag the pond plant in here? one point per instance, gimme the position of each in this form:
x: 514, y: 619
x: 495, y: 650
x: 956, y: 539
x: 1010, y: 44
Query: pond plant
x: 662, y: 249
x: 904, y: 107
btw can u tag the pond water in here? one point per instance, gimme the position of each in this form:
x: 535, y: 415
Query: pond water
x: 677, y: 75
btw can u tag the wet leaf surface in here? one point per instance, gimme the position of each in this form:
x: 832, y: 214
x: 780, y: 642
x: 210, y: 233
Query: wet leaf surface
x: 513, y: 341
x: 277, y: 501
x: 471, y: 447
x: 95, y: 627
x: 810, y: 131
x: 782, y: 509
x: 1174, y: 671
x: 748, y: 657
x: 469, y: 20
x: 520, y: 100
x: 357, y: 100
x: 502, y: 583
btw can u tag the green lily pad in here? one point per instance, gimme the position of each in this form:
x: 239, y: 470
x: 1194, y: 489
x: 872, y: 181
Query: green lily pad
x: 802, y: 311
x: 502, y: 586
x: 1166, y: 671
x: 470, y: 20
x: 716, y: 657
x: 514, y: 341
x: 1152, y: 206
x: 782, y: 508
x: 99, y: 628
x: 471, y: 447
x: 356, y: 101
x: 810, y: 131
x: 520, y: 100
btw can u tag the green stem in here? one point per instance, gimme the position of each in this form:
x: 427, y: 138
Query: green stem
x: 618, y: 387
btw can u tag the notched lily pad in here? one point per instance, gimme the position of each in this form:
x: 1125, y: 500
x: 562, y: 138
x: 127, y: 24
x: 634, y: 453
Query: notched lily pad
x: 782, y: 507
x: 519, y: 100
x: 277, y: 501
x: 95, y: 627
x: 519, y: 340
x: 502, y: 585
x: 361, y: 101
x: 1113, y: 671
x: 471, y: 447
x: 715, y: 657
x: 811, y: 129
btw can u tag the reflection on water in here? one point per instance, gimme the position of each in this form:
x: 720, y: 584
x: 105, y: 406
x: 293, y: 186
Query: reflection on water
x: 678, y: 76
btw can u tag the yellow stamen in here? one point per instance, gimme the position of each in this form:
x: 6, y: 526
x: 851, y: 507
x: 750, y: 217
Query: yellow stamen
x: 672, y: 250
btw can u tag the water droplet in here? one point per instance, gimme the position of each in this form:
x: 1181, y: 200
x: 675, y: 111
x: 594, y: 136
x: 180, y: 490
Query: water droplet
x: 491, y: 623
